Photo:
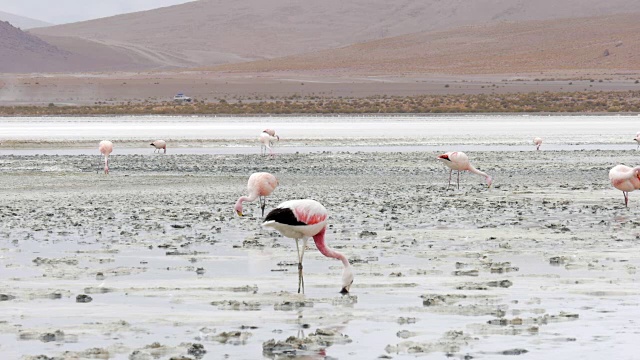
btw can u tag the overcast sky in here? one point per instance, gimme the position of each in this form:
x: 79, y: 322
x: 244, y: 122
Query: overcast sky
x: 64, y: 11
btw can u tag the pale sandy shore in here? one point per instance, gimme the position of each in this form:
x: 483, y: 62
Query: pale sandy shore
x: 542, y: 265
x: 212, y: 86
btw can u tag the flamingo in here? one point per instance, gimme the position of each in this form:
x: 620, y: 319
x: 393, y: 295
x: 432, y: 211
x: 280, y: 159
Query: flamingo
x: 266, y: 140
x: 460, y: 161
x: 159, y: 144
x: 637, y: 140
x: 260, y: 184
x: 537, y: 142
x: 625, y: 179
x: 302, y: 219
x: 106, y: 147
x: 271, y: 133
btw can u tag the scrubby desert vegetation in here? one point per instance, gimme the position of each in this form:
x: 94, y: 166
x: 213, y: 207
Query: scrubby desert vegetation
x: 569, y: 102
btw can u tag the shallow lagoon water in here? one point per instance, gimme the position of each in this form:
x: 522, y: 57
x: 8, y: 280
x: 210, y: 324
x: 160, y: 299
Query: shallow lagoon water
x: 543, y: 265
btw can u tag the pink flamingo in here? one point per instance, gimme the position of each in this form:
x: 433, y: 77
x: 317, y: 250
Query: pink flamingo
x: 266, y: 140
x: 625, y: 179
x: 271, y: 132
x: 106, y: 147
x: 302, y: 219
x: 159, y: 144
x: 460, y: 161
x: 637, y: 140
x: 537, y: 142
x: 260, y: 184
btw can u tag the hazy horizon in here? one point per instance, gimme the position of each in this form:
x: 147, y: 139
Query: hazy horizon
x: 68, y: 11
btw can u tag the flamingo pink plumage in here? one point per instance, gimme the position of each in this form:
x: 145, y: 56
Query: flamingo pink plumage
x: 459, y: 161
x: 106, y: 147
x: 637, y: 139
x: 267, y: 137
x: 537, y: 142
x: 159, y: 144
x: 271, y: 132
x: 302, y: 219
x: 626, y: 179
x: 260, y: 184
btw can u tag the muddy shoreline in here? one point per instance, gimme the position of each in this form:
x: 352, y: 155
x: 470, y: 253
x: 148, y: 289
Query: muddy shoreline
x: 541, y: 265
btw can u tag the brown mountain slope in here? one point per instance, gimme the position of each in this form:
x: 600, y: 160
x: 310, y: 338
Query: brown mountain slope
x: 22, y: 52
x: 22, y: 22
x: 210, y: 32
x: 565, y: 44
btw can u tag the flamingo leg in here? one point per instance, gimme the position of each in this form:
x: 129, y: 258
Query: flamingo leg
x: 458, y: 179
x: 304, y: 246
x: 450, y: 173
x: 300, y: 280
x: 626, y: 198
x: 263, y: 204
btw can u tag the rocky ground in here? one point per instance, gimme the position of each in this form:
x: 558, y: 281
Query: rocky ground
x: 150, y: 261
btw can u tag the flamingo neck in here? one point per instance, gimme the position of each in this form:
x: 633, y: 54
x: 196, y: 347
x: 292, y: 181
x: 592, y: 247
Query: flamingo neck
x: 476, y: 171
x: 327, y: 251
x: 486, y: 176
x: 242, y: 199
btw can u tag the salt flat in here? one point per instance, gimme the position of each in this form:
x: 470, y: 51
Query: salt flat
x: 544, y: 264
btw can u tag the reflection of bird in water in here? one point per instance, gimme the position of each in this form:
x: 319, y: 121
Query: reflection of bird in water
x: 460, y: 161
x: 625, y: 179
x: 261, y: 185
x: 302, y: 219
x: 106, y: 147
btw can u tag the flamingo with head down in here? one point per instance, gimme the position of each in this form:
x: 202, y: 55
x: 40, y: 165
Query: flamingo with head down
x: 637, y: 139
x: 260, y: 185
x: 537, y: 142
x: 304, y: 219
x: 457, y: 160
x: 106, y: 147
x: 625, y: 179
x: 159, y: 145
x: 267, y: 137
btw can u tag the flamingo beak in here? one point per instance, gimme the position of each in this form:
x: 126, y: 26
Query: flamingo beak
x: 239, y: 213
x: 344, y: 290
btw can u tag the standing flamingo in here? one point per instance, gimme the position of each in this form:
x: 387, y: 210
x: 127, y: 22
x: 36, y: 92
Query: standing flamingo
x: 460, y: 161
x: 537, y: 142
x: 106, y: 147
x: 302, y: 219
x: 637, y: 140
x: 260, y: 184
x: 625, y: 179
x: 266, y: 141
x: 159, y: 144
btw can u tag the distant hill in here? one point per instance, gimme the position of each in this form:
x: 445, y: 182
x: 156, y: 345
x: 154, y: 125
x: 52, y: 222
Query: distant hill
x: 209, y: 32
x: 604, y: 42
x: 23, y: 52
x: 22, y: 22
